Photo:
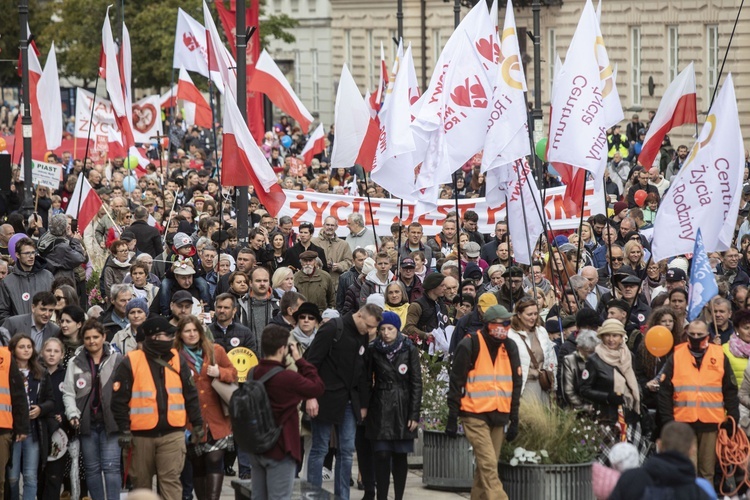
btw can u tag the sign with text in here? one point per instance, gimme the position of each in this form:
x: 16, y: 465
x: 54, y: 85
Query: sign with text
x: 45, y: 174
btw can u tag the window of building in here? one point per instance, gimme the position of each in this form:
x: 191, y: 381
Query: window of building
x: 315, y: 82
x: 635, y: 62
x: 437, y: 46
x: 297, y: 73
x: 551, y: 57
x: 348, y: 48
x: 370, y: 66
x: 673, y: 52
x: 712, y: 60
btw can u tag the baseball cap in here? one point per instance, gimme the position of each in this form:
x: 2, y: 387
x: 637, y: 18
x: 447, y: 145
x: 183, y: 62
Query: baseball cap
x: 182, y: 296
x: 408, y: 263
x: 676, y: 274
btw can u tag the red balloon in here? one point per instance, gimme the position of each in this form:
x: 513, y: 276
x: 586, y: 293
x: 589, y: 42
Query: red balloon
x: 640, y: 197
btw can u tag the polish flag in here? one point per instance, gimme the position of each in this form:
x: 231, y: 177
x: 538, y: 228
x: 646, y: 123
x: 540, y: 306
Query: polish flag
x: 46, y: 107
x: 198, y: 110
x: 32, y: 45
x: 351, y: 119
x: 377, y: 97
x: 112, y: 72
x: 169, y: 99
x: 89, y: 201
x: 316, y: 144
x: 221, y: 64
x: 677, y: 107
x: 268, y: 79
x: 243, y: 163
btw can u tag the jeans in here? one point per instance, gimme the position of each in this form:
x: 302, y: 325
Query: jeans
x: 272, y: 479
x: 243, y: 459
x: 26, y: 462
x: 321, y: 432
x: 101, y: 454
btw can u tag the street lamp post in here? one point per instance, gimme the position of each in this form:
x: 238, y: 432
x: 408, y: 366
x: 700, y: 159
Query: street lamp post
x: 28, y: 185
x: 537, y: 116
x: 241, y: 41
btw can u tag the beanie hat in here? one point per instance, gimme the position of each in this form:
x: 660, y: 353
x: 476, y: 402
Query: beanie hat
x: 432, y: 281
x: 611, y: 327
x: 137, y: 303
x: 182, y: 240
x: 368, y: 266
x: 377, y: 299
x: 391, y: 318
x: 330, y: 314
x: 620, y: 206
x: 679, y: 263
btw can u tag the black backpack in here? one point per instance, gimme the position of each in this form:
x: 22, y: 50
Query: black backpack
x: 250, y: 410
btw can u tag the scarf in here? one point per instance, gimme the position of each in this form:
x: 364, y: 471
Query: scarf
x: 390, y: 350
x: 196, y: 354
x: 303, y: 339
x: 625, y: 381
x: 738, y: 347
x: 120, y: 263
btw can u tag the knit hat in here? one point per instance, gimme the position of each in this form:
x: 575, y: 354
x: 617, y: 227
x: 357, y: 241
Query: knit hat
x: 391, y: 318
x: 487, y: 300
x: 472, y: 271
x: 679, y: 263
x: 330, y: 314
x: 137, y: 303
x: 182, y: 240
x: 611, y: 327
x: 432, y: 281
x: 368, y: 266
x: 559, y: 240
x: 377, y: 299
x: 620, y: 206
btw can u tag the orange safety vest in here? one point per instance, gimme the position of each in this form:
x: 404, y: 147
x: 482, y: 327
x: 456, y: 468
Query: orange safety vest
x: 489, y: 387
x: 698, y: 393
x: 144, y: 411
x: 6, y: 407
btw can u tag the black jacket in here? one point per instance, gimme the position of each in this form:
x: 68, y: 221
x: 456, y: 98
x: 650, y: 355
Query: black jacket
x: 598, y: 386
x: 291, y: 257
x: 664, y: 475
x: 470, y: 323
x: 463, y: 362
x: 395, y: 396
x: 236, y: 335
x: 346, y: 280
x: 341, y: 365
x: 148, y: 238
x: 121, y: 397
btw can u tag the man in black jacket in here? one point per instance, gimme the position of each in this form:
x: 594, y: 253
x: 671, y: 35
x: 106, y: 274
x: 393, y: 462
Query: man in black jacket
x: 338, y: 353
x: 156, y: 442
x: 304, y: 244
x: 668, y: 474
x: 148, y: 238
x: 485, y: 418
x: 227, y: 332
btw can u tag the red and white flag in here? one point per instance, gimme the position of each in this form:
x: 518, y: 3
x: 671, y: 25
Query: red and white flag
x: 677, y: 107
x: 190, y: 48
x: 243, y: 163
x: 378, y: 95
x: 90, y: 204
x: 221, y: 64
x: 578, y: 125
x: 147, y: 119
x: 316, y: 144
x: 169, y: 98
x: 351, y: 120
x: 268, y: 79
x: 197, y: 110
x: 46, y: 107
x: 507, y: 137
x: 111, y: 71
x: 393, y: 157
x: 707, y: 191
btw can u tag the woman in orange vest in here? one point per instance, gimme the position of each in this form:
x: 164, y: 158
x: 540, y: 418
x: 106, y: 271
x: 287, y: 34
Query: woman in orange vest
x: 485, y: 391
x: 208, y: 362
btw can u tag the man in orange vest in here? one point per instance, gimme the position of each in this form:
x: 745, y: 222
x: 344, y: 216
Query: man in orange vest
x: 485, y: 390
x: 14, y: 409
x: 153, y: 397
x: 698, y: 387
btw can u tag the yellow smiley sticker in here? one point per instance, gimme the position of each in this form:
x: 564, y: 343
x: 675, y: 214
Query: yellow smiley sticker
x: 243, y: 360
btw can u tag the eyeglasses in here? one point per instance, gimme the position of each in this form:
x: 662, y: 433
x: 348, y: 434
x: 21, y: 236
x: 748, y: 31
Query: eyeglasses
x: 618, y: 259
x: 26, y: 254
x: 307, y: 317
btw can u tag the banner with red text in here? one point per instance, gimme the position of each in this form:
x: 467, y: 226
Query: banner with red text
x: 307, y: 206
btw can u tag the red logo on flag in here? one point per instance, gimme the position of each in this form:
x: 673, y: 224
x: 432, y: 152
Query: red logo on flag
x: 489, y: 48
x: 144, y: 117
x: 190, y: 42
x: 470, y: 95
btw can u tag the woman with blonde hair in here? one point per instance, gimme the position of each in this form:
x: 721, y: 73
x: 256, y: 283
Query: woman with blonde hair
x: 282, y: 281
x: 396, y: 299
x: 207, y: 361
x: 634, y: 258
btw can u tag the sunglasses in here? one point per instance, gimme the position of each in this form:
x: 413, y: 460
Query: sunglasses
x: 619, y: 259
x: 307, y: 317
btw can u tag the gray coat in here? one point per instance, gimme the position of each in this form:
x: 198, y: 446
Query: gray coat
x: 18, y: 288
x: 22, y: 324
x: 77, y: 388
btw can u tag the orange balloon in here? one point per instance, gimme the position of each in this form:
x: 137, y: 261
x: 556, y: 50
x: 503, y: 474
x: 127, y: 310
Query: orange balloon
x: 659, y: 341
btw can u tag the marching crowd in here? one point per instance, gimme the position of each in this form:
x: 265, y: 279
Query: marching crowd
x: 123, y: 337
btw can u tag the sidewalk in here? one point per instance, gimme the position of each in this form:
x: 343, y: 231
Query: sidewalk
x: 414, y: 489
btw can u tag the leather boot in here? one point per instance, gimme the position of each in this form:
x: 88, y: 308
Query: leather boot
x: 214, y: 483
x: 199, y: 487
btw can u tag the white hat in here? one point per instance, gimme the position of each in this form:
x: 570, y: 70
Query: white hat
x: 368, y: 266
x: 330, y: 314
x: 679, y: 263
x: 376, y: 298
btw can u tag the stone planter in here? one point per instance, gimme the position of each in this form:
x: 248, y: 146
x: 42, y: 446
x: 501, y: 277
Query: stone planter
x: 448, y: 464
x: 550, y: 482
x: 415, y: 459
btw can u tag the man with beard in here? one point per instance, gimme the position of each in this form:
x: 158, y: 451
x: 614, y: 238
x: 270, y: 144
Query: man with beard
x: 427, y: 317
x: 338, y: 256
x: 260, y: 304
x: 27, y: 279
x: 451, y: 288
x: 227, y: 332
x: 512, y: 290
x: 315, y: 284
x: 676, y: 164
x: 348, y: 278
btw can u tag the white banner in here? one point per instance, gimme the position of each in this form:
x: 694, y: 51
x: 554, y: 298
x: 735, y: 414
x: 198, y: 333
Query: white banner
x: 147, y: 119
x: 306, y: 206
x: 103, y: 120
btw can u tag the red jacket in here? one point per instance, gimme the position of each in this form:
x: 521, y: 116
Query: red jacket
x: 286, y: 390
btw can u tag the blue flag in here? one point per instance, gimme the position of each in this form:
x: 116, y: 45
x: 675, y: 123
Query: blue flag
x: 703, y: 285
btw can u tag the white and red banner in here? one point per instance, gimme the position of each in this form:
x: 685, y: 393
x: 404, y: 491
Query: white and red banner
x: 351, y: 120
x: 221, y: 65
x: 190, y: 49
x: 677, y: 107
x: 117, y: 74
x: 196, y: 108
x: 315, y: 145
x: 706, y: 192
x: 90, y: 203
x: 103, y: 119
x: 147, y: 119
x: 268, y: 79
x: 308, y: 206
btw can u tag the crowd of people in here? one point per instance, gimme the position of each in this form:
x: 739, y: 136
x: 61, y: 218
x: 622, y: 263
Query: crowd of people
x: 118, y: 335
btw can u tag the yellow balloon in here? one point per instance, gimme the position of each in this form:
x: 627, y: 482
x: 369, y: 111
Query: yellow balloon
x: 243, y: 360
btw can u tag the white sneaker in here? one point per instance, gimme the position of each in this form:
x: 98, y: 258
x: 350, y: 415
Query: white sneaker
x: 327, y: 474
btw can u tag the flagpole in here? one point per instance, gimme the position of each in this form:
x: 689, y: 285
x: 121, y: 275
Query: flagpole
x: 86, y: 153
x: 580, y: 226
x: 507, y: 221
x: 372, y: 219
x: 216, y: 152
x: 400, y: 225
x: 609, y: 247
x: 526, y: 226
x: 241, y: 38
x: 458, y: 232
x: 726, y: 54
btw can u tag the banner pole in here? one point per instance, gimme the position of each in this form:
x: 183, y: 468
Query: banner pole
x: 86, y: 153
x: 526, y: 228
x: 580, y: 226
x: 400, y: 225
x: 372, y: 219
